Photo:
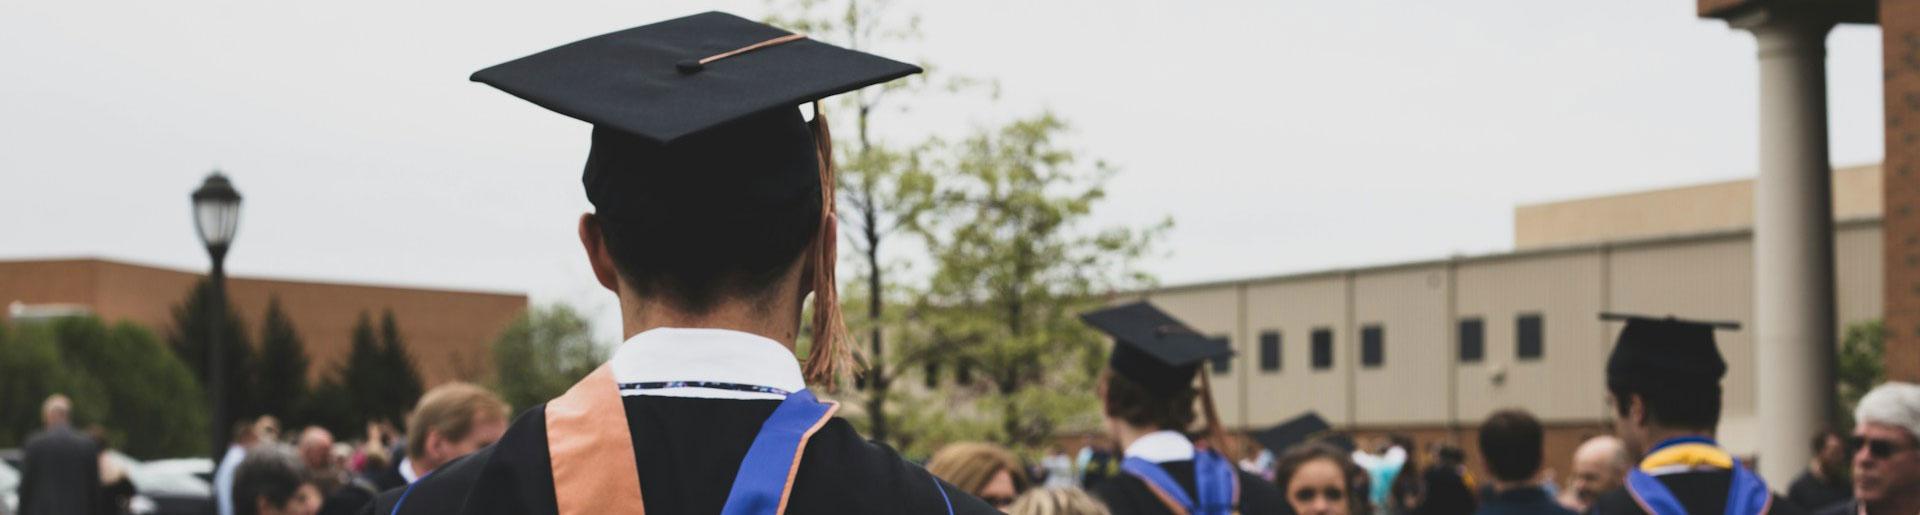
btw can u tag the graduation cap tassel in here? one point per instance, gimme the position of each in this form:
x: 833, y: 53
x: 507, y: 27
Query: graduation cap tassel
x: 1215, y: 434
x: 832, y: 352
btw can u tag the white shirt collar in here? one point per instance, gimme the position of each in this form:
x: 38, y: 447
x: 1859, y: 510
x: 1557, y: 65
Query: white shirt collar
x: 708, y: 355
x: 1161, y: 447
x: 406, y: 470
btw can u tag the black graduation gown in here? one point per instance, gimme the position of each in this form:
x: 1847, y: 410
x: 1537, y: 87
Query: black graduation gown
x: 1128, y: 495
x: 687, y: 451
x: 1701, y: 492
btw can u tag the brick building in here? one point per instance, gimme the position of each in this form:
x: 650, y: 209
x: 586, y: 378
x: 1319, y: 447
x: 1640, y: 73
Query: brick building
x: 447, y: 332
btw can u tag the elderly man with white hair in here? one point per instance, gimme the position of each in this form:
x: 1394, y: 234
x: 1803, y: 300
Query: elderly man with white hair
x: 1886, y: 464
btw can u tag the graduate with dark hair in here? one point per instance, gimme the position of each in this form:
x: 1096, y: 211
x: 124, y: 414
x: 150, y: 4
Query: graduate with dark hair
x: 713, y: 223
x: 1664, y: 381
x: 1147, y: 394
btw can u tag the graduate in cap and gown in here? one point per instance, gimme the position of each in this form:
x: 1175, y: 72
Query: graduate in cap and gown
x: 1147, y: 394
x: 1664, y: 380
x: 713, y: 221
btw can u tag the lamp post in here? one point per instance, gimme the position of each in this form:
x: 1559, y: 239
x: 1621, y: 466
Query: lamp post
x: 216, y: 215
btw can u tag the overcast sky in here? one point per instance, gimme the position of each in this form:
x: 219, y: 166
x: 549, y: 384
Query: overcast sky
x: 1279, y: 136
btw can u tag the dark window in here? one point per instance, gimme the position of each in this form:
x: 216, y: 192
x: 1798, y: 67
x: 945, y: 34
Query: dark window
x: 933, y: 375
x: 1270, y: 351
x: 1373, y: 346
x: 1473, y: 340
x: 1528, y: 332
x: 1322, y: 349
x: 1223, y: 364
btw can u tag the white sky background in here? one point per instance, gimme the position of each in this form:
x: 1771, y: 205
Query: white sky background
x: 1280, y: 136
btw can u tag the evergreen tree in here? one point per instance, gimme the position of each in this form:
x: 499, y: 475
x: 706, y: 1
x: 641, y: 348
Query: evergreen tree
x: 188, y: 338
x: 402, y: 377
x: 282, y: 382
x: 150, y: 406
x: 364, y: 377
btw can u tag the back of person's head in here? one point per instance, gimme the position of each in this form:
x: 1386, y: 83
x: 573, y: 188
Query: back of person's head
x: 673, y: 240
x: 451, y: 410
x: 1138, y: 406
x: 270, y: 476
x: 1511, y: 440
x: 972, y: 466
x: 1893, y: 404
x: 1057, y: 501
x: 1694, y: 407
x: 56, y: 411
x: 316, y: 447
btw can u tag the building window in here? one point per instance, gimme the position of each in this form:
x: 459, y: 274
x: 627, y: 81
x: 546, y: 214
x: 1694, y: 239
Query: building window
x: 1322, y: 348
x: 1270, y: 351
x: 933, y: 375
x: 1224, y: 363
x: 1473, y: 340
x: 1528, y: 333
x: 1373, y: 343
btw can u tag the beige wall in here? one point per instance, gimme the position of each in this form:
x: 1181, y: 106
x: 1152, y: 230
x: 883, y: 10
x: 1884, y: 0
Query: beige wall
x: 1422, y: 387
x: 1564, y: 288
x: 1411, y: 384
x: 1295, y: 308
x: 1697, y: 209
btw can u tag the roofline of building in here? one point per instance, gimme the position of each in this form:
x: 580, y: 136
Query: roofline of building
x: 283, y: 280
x: 1573, y: 248
x: 1709, y: 184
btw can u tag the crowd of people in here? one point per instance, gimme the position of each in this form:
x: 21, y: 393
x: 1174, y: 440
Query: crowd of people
x: 714, y: 221
x: 264, y: 472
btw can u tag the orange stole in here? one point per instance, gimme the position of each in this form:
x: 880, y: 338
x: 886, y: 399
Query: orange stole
x: 590, y: 450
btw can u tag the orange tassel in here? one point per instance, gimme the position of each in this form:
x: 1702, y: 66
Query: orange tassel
x: 832, y: 353
x: 1216, y: 434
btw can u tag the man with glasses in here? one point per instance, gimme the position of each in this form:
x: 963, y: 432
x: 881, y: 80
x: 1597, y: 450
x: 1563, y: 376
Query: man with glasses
x: 1886, y: 468
x: 1664, y: 383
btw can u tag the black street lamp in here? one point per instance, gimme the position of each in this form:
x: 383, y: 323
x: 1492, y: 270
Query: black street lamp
x: 216, y: 214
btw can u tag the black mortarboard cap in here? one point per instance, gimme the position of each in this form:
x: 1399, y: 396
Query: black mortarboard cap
x: 724, y: 133
x: 1152, y: 348
x: 1665, y: 352
x: 1300, y: 429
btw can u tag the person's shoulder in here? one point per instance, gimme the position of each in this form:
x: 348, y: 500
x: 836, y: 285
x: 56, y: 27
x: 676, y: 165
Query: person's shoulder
x: 1258, y: 496
x: 442, y: 491
x: 1616, y: 502
x: 1850, y: 507
x: 841, y: 467
x: 1781, y: 506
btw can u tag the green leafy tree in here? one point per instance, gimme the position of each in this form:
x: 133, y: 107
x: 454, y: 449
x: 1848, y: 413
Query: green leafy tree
x: 873, y: 180
x: 30, y: 370
x: 282, y: 383
x: 542, y: 354
x: 153, y: 408
x: 188, y: 338
x: 1861, y: 366
x: 1016, y: 265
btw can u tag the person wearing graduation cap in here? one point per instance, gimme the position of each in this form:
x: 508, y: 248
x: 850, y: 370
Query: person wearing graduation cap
x: 713, y: 220
x: 1147, y: 394
x: 1664, y: 382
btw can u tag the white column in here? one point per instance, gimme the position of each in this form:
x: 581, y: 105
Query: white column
x: 1792, y: 244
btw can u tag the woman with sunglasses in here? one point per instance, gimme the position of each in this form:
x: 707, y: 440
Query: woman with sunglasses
x: 1314, y: 479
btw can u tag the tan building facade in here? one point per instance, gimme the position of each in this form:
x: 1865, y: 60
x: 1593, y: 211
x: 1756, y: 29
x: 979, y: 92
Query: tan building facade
x: 448, y: 333
x: 1431, y: 348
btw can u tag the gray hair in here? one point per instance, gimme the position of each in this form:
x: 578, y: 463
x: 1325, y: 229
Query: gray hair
x: 1895, y: 404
